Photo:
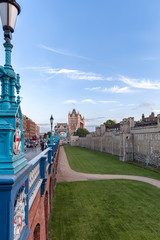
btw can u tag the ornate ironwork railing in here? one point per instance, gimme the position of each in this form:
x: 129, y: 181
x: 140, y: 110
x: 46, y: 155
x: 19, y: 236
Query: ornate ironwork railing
x: 30, y: 182
x: 47, y: 163
x: 37, y: 174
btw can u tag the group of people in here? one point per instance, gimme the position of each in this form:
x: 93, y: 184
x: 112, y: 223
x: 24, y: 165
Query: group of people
x: 44, y: 144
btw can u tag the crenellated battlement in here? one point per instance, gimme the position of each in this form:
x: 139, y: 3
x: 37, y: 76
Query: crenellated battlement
x: 130, y: 140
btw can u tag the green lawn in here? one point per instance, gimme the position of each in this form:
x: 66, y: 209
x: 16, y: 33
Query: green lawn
x: 105, y: 210
x: 88, y: 161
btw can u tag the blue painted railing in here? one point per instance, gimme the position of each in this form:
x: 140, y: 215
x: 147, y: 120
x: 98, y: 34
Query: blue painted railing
x: 40, y: 165
x: 20, y: 190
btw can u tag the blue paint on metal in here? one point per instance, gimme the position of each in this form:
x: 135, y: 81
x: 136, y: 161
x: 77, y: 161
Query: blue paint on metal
x: 10, y: 186
x: 27, y: 201
x: 50, y: 160
x: 53, y: 147
x: 9, y: 109
x: 43, y: 174
x: 57, y: 138
x: 43, y: 167
x: 51, y: 137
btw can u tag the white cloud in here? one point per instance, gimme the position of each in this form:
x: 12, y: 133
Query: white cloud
x: 117, y: 89
x: 105, y: 90
x: 94, y: 102
x: 70, y: 101
x: 91, y: 76
x: 85, y: 76
x: 107, y: 101
x: 69, y: 73
x: 114, y: 109
x: 63, y: 52
x: 60, y: 71
x: 88, y: 101
x: 140, y: 83
x: 93, y: 89
x: 156, y: 111
x: 131, y: 104
x: 109, y: 79
x: 35, y: 68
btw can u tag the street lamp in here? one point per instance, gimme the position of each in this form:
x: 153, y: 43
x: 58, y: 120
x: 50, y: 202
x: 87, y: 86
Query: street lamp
x: 51, y: 137
x: 12, y: 158
x: 9, y: 9
x: 11, y: 120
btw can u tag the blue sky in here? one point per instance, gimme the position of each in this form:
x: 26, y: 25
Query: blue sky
x: 100, y: 57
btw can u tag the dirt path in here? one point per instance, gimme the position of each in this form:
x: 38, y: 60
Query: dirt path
x: 66, y: 174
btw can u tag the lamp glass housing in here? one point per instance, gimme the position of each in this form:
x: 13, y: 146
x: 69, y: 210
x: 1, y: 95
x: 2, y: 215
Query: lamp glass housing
x: 8, y: 13
x: 51, y: 120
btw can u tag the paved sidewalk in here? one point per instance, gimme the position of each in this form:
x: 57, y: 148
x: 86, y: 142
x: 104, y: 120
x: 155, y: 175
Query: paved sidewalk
x: 32, y: 152
x: 66, y: 174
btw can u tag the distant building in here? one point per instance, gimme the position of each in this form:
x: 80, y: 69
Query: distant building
x: 130, y: 140
x: 75, y: 121
x: 148, y: 121
x: 30, y: 128
x: 61, y: 129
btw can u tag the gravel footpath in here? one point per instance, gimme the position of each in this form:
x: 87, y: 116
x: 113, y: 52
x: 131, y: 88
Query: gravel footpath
x: 66, y: 174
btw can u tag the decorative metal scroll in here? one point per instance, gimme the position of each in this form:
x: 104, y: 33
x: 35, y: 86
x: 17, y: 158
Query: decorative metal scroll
x: 19, y: 212
x: 47, y: 163
x: 33, y: 175
x: 34, y: 194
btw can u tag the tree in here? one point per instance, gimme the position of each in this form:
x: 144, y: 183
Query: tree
x: 48, y: 134
x: 81, y: 132
x: 109, y: 123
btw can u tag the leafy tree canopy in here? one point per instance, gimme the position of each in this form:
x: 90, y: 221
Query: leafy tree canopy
x: 48, y: 134
x: 109, y: 123
x: 81, y: 132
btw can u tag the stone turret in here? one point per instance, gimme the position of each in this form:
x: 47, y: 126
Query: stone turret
x: 126, y: 124
x: 143, y: 117
x: 98, y: 131
x: 103, y: 129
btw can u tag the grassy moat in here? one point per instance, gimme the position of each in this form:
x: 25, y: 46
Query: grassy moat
x: 108, y: 209
x: 105, y: 210
x: 88, y: 161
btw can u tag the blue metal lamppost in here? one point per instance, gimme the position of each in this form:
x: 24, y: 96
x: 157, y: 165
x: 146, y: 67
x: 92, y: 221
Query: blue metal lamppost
x: 12, y: 158
x: 51, y: 137
x: 14, y: 169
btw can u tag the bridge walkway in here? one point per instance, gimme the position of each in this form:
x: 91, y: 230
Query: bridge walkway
x: 32, y: 152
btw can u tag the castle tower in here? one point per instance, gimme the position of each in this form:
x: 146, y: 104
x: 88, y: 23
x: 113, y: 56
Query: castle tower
x: 75, y: 121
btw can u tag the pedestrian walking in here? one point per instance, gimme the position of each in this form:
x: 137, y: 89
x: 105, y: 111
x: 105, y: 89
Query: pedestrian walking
x: 42, y: 145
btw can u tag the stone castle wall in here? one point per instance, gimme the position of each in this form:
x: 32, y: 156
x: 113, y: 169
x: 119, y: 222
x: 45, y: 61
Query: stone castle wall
x: 109, y: 143
x: 147, y: 145
x: 140, y: 144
